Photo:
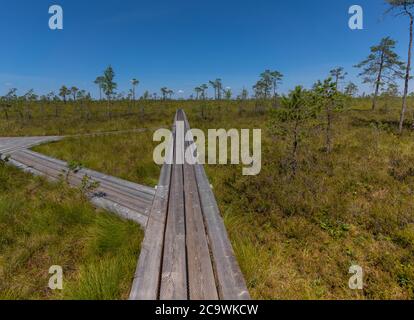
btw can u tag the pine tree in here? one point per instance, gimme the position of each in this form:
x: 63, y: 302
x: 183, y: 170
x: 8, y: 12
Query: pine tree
x: 382, y: 66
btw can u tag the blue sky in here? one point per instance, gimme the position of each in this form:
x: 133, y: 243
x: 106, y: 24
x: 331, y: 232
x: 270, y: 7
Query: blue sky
x: 181, y: 43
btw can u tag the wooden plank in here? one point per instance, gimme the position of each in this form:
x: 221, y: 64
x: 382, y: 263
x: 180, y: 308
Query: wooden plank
x: 201, y: 279
x: 15, y: 144
x: 230, y: 281
x: 146, y: 284
x: 27, y: 169
x: 130, y: 187
x: 114, y: 188
x: 105, y: 204
x: 174, y: 269
x: 125, y: 200
x: 120, y: 210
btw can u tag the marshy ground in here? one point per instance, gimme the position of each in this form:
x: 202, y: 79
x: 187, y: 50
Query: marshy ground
x: 295, y: 236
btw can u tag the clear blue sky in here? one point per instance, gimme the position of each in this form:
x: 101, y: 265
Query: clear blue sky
x: 184, y: 43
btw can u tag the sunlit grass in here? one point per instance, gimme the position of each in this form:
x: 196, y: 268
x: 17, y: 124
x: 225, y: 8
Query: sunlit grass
x: 294, y: 237
x: 45, y: 224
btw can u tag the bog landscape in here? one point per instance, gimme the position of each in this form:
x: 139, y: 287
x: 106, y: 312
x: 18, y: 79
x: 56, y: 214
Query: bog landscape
x: 328, y: 213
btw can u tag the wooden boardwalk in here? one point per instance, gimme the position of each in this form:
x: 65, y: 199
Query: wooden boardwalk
x: 126, y: 199
x: 9, y: 145
x: 186, y: 253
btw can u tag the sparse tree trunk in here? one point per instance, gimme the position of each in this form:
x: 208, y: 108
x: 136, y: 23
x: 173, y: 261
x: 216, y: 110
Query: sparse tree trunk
x: 407, y: 75
x: 378, y: 83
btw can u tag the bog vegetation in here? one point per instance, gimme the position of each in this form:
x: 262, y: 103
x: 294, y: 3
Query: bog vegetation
x: 336, y: 187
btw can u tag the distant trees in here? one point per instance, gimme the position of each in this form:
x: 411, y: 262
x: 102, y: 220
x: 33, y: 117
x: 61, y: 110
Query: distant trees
x: 7, y: 101
x: 109, y: 87
x: 260, y: 90
x: 28, y: 98
x: 74, y: 91
x: 5, y: 106
x: 166, y: 93
x: 351, y: 89
x: 146, y: 95
x: 228, y: 93
x: 271, y: 81
x: 201, y: 92
x: 170, y: 93
x: 217, y: 85
x: 267, y: 84
x: 134, y: 83
x: 198, y: 91
x: 204, y: 88
x: 99, y: 82
x: 64, y: 92
x: 338, y: 74
x: 244, y: 94
x: 52, y: 97
x: 405, y: 7
x: 382, y: 66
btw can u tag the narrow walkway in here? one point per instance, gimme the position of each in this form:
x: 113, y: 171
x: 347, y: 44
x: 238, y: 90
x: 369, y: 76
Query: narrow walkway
x: 186, y: 253
x: 126, y: 199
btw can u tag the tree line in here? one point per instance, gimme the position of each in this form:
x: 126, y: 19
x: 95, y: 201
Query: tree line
x: 381, y: 69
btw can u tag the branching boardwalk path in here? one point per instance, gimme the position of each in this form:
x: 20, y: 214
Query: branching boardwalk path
x: 186, y: 253
x: 128, y: 200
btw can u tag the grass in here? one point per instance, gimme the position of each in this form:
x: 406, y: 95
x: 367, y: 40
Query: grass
x: 127, y: 156
x: 296, y: 237
x: 71, y: 119
x: 44, y: 224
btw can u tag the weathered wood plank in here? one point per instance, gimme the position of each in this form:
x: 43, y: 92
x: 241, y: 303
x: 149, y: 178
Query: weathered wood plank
x: 201, y: 279
x: 174, y: 273
x: 106, y: 204
x: 106, y: 191
x: 174, y: 269
x: 146, y: 284
x: 10, y: 145
x: 121, y: 210
x: 230, y: 281
x: 130, y: 187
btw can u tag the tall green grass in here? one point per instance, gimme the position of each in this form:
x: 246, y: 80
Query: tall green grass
x: 44, y: 224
